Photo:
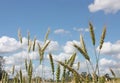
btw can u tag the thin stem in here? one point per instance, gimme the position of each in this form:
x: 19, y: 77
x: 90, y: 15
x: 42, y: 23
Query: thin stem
x: 92, y: 66
x: 98, y: 63
x: 96, y: 57
x: 43, y: 70
x: 87, y: 67
x: 53, y: 77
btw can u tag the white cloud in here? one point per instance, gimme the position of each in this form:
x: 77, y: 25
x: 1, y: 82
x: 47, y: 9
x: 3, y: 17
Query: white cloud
x: 61, y: 31
x: 19, y: 57
x: 107, y: 63
x: 8, y: 44
x: 16, y: 52
x: 69, y: 48
x: 110, y: 48
x: 108, y: 6
x: 81, y: 29
x: 53, y: 46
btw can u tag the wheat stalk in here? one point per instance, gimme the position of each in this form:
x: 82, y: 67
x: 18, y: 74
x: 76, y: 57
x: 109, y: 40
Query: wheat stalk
x: 45, y: 46
x: 30, y: 70
x: 34, y: 42
x: 58, y: 73
x: 78, y: 65
x: 47, y: 34
x: 29, y: 47
x: 92, y: 33
x: 71, y: 60
x: 64, y: 71
x: 102, y: 37
x: 83, y: 44
x: 19, y: 35
x: 52, y: 64
x: 21, y: 80
x: 112, y: 72
x: 70, y: 69
x: 26, y: 65
x: 85, y: 55
x: 41, y: 53
x: 13, y: 69
x: 28, y: 38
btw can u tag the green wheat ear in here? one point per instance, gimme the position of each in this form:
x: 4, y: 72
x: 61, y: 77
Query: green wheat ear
x: 21, y: 80
x: 71, y: 70
x: 83, y: 44
x: 41, y: 53
x: 91, y: 29
x: 13, y: 69
x: 45, y: 46
x: 78, y: 65
x: 112, y: 72
x: 58, y: 73
x: 52, y: 63
x: 102, y: 37
x: 34, y: 43
x: 85, y: 55
x: 28, y: 36
x: 46, y: 36
x: 71, y: 60
x: 26, y: 65
x: 20, y: 35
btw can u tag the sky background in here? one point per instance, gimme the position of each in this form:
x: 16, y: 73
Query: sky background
x: 66, y: 20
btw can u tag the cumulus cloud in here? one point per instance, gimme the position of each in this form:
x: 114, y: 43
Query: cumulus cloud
x: 16, y: 52
x: 8, y: 44
x: 108, y: 62
x: 105, y: 64
x: 108, y: 6
x: 69, y: 48
x: 111, y: 48
x: 61, y: 31
x: 53, y: 46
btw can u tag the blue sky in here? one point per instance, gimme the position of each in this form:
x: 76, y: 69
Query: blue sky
x: 37, y: 16
x: 66, y: 19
